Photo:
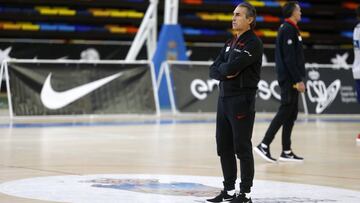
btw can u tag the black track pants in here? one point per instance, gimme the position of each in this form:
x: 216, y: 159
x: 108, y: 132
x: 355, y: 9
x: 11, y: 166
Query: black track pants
x: 285, y: 117
x: 234, y: 127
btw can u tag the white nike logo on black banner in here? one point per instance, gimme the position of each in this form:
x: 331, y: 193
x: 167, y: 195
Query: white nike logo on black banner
x: 56, y: 100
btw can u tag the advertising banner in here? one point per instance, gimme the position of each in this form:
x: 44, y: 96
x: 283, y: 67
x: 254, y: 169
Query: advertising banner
x: 330, y: 89
x: 75, y: 87
x: 193, y: 90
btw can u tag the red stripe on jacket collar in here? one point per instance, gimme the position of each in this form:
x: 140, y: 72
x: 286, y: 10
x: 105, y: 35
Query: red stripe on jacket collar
x: 292, y: 23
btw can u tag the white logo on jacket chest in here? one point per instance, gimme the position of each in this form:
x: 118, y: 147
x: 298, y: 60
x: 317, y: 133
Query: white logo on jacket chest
x: 245, y: 51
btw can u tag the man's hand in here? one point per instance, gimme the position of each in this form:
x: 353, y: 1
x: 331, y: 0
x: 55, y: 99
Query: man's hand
x: 232, y: 76
x: 300, y: 86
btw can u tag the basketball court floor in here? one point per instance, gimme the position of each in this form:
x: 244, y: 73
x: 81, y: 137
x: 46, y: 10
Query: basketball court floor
x: 168, y: 159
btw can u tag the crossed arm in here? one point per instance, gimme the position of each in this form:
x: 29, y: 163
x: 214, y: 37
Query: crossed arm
x: 237, y: 61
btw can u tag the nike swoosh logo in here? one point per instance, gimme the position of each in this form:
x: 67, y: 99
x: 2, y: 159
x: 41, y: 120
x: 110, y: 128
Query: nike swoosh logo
x: 56, y: 100
x: 240, y: 116
x: 263, y: 151
x: 229, y: 199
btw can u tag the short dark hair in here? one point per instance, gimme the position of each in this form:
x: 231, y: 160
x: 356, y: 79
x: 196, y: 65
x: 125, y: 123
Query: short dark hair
x: 289, y: 8
x: 250, y: 12
x: 358, y: 11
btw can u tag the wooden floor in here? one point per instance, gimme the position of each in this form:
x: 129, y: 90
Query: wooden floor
x: 183, y: 145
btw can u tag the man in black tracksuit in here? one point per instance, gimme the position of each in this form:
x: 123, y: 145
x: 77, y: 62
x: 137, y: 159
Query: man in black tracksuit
x: 238, y: 69
x: 290, y: 68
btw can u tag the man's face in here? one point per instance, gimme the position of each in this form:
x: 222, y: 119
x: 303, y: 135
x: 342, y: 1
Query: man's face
x: 297, y: 13
x: 239, y: 20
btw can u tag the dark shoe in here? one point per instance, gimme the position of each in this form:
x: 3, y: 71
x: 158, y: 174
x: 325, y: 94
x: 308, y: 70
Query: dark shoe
x: 222, y: 197
x: 291, y: 157
x: 264, y: 153
x: 241, y: 198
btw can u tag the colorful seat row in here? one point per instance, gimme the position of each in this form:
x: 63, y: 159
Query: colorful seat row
x: 64, y: 11
x: 28, y: 26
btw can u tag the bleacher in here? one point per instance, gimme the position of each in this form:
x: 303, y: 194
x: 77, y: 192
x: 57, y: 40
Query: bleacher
x: 324, y: 22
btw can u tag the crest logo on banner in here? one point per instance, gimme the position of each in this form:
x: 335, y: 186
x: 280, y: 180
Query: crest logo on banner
x: 318, y: 93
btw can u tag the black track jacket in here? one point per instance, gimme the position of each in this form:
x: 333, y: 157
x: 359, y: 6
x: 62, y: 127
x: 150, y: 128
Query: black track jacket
x: 242, y: 56
x: 289, y: 55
